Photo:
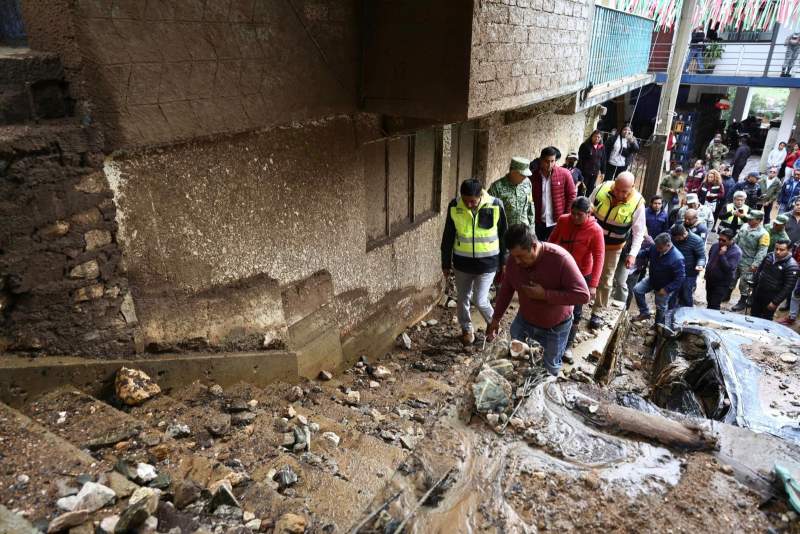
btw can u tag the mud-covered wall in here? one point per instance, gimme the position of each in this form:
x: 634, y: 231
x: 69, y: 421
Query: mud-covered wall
x: 513, y: 135
x: 527, y: 51
x: 212, y: 230
x: 157, y: 72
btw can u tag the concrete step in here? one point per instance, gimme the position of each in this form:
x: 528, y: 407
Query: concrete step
x: 82, y: 419
x: 28, y: 448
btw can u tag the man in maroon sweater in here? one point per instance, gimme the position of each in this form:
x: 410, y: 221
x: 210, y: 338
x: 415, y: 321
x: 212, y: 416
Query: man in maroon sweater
x: 553, y: 191
x: 548, y: 283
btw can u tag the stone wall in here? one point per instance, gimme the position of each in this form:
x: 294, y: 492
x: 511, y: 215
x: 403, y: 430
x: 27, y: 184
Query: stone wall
x: 159, y: 71
x: 214, y: 232
x: 527, y: 51
x: 527, y: 135
x: 62, y: 288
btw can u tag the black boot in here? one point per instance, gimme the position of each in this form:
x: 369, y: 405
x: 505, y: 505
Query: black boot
x: 740, y: 306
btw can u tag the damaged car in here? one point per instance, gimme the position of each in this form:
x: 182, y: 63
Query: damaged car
x: 729, y: 367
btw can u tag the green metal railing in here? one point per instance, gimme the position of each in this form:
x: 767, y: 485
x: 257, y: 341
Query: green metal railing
x: 619, y: 46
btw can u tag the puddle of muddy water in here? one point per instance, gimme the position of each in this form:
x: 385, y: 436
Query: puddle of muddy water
x: 487, y: 465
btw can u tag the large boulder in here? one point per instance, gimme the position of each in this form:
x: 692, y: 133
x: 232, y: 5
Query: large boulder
x: 133, y: 386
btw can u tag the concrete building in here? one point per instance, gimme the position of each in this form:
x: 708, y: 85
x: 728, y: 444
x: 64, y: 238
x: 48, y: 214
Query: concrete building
x: 252, y: 175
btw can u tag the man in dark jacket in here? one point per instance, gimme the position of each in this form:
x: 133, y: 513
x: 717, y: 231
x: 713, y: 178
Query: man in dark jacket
x: 693, y: 249
x: 775, y: 280
x: 656, y: 217
x: 666, y: 276
x: 723, y: 259
x: 473, y: 246
x: 740, y: 157
x: 751, y: 189
x: 553, y: 192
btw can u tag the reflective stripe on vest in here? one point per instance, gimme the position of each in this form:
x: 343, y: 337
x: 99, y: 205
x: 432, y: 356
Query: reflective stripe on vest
x: 616, y: 220
x: 727, y: 218
x: 473, y: 240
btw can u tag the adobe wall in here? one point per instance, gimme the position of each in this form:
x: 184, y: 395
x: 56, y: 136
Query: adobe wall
x: 214, y: 232
x: 520, y: 58
x: 161, y: 71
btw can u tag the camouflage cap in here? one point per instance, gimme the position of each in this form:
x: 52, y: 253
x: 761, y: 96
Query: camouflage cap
x: 521, y: 165
x: 781, y: 219
x: 756, y: 214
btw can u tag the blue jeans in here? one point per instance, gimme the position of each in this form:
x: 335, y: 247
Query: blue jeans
x: 553, y: 340
x: 684, y: 296
x: 641, y: 290
x: 695, y: 52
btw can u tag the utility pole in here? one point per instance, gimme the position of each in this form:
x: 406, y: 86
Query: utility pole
x: 669, y: 96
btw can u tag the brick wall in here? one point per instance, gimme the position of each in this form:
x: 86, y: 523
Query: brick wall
x: 518, y: 58
x: 159, y: 71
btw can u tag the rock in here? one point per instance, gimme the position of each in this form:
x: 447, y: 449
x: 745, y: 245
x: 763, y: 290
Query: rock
x: 150, y: 439
x: 169, y: 518
x: 451, y: 303
x: 66, y: 488
x: 592, y: 481
x: 295, y: 394
x: 788, y: 357
x: 325, y: 375
x: 149, y: 526
x: 492, y: 418
x: 216, y: 390
x: 242, y: 418
x: 404, y: 341
x: 409, y: 442
x: 352, y: 397
x: 252, y: 403
x: 725, y: 468
x: 237, y: 405
x: 227, y: 511
x: 332, y: 438
x: 96, y: 239
x: 91, y: 292
x: 380, y: 372
x: 109, y: 523
x: 290, y: 524
x: 91, y: 497
x: 87, y: 270
x: 22, y: 480
x: 219, y: 425
x: 290, y: 412
x: 314, y: 427
x: 517, y: 423
x: 443, y: 301
x: 248, y: 516
x: 222, y: 494
x: 133, y: 386
x: 236, y: 477
x: 186, y: 492
x: 285, y: 477
x: 288, y: 440
x: 432, y: 322
x: 86, y: 528
x: 502, y: 366
x: 376, y: 415
x: 68, y: 520
x: 373, y: 384
x: 178, y: 430
x: 254, y: 525
x: 150, y: 495
x: 491, y: 391
x: 302, y: 419
x: 145, y: 472
x: 302, y: 438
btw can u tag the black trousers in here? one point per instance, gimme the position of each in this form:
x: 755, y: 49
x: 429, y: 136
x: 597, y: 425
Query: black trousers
x: 759, y: 307
x: 543, y: 231
x: 612, y: 171
x: 716, y: 293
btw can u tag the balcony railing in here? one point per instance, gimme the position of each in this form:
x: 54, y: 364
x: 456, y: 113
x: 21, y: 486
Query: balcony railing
x: 619, y: 47
x: 721, y: 58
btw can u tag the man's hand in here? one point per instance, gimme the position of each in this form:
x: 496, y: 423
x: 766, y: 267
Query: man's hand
x: 630, y: 261
x: 723, y: 250
x: 699, y: 268
x: 592, y: 292
x: 662, y: 292
x: 446, y: 273
x: 533, y: 291
x: 491, y: 330
x: 772, y: 306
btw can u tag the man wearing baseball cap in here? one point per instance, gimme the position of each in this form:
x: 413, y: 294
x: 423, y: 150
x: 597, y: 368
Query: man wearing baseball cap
x: 516, y: 192
x: 753, y: 239
x: 571, y: 164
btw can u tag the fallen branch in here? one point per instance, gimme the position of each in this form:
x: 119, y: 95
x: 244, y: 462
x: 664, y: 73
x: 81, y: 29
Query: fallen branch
x: 657, y: 427
x: 375, y: 513
x: 420, y: 502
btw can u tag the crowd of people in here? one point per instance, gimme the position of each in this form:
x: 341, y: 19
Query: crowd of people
x: 533, y: 235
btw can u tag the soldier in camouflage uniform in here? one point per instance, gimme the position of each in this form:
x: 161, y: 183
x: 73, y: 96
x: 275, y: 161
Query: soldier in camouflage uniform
x: 753, y: 239
x: 516, y: 192
x: 777, y: 230
x: 716, y: 152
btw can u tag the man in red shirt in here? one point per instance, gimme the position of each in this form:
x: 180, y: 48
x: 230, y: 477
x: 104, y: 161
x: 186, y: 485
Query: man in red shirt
x: 580, y: 235
x: 548, y: 283
x: 553, y: 191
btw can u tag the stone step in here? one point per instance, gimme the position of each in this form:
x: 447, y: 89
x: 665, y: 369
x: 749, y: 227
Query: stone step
x: 22, y: 65
x: 34, y: 460
x: 83, y: 420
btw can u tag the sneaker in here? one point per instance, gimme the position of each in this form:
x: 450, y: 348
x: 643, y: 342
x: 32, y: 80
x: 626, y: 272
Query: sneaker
x: 595, y: 322
x: 567, y: 357
x: 740, y: 306
x: 468, y: 337
x: 641, y: 317
x: 787, y: 320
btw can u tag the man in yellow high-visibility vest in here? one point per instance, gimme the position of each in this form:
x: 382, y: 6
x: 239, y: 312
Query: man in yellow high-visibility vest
x: 473, y: 246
